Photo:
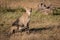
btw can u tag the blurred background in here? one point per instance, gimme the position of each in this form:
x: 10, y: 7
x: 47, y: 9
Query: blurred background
x: 45, y: 21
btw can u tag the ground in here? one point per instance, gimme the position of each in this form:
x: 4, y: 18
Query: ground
x: 42, y: 27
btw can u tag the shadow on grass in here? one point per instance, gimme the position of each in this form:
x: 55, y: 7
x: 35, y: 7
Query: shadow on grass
x: 32, y: 30
x: 37, y: 29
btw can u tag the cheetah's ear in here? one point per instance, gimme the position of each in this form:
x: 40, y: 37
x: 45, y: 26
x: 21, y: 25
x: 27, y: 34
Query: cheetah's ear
x: 30, y: 9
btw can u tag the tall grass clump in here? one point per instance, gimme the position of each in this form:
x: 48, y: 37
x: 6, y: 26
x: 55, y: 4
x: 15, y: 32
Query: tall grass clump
x: 56, y: 11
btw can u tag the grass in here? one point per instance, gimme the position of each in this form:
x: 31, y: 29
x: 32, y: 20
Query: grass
x: 7, y: 18
x: 38, y: 20
x: 43, y: 20
x: 42, y: 27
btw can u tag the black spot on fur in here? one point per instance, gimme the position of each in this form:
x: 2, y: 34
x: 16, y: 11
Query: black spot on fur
x: 48, y: 7
x: 13, y: 31
x: 15, y: 23
x: 1, y: 24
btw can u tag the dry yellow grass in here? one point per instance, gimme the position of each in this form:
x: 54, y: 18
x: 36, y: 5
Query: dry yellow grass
x: 42, y: 27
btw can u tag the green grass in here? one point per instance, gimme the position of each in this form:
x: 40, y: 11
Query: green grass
x: 7, y: 18
x: 38, y: 20
x: 43, y: 20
